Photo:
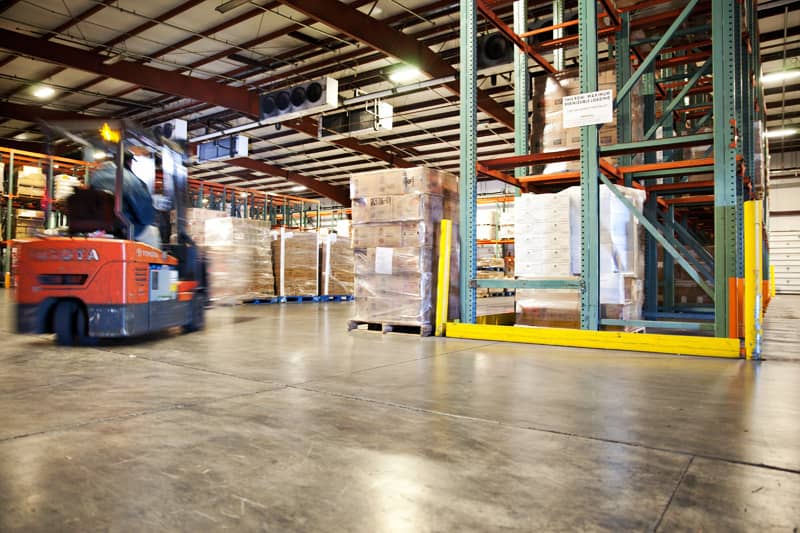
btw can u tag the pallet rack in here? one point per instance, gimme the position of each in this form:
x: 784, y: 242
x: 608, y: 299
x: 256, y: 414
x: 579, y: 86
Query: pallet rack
x: 280, y: 210
x: 710, y: 96
x: 52, y: 216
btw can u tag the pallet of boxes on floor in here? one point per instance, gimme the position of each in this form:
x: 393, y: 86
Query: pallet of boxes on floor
x: 395, y: 238
x: 296, y: 260
x: 337, y: 274
x: 238, y: 252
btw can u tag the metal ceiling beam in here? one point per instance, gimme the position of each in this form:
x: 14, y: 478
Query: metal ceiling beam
x: 5, y: 5
x: 238, y: 99
x: 156, y: 79
x: 59, y: 29
x: 392, y: 42
x: 113, y: 42
x: 32, y: 114
x: 340, y: 195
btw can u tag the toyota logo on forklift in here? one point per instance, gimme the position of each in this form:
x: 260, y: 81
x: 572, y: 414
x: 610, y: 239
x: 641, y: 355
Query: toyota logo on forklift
x: 68, y: 254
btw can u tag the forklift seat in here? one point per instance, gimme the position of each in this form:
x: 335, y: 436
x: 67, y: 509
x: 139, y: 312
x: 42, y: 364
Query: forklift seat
x: 92, y: 210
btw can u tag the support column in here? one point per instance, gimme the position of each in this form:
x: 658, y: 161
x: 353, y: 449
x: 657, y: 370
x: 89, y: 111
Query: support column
x: 9, y: 220
x: 622, y: 56
x: 49, y: 223
x: 469, y: 156
x: 521, y: 87
x: 558, y: 18
x: 590, y: 192
x: 724, y: 35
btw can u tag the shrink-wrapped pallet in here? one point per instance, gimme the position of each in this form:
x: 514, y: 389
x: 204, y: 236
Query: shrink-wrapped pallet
x: 239, y: 258
x: 338, y: 271
x: 548, y: 246
x: 396, y: 226
x: 296, y: 261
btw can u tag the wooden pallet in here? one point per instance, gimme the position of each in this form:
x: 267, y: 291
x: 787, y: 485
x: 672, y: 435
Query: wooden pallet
x: 392, y: 327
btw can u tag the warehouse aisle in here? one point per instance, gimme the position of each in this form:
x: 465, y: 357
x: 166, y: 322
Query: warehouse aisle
x: 276, y: 418
x: 782, y: 328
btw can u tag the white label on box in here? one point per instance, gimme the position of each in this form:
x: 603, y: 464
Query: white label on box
x: 588, y: 108
x: 383, y: 260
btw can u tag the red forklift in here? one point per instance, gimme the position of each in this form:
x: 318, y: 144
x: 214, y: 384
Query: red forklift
x: 97, y: 281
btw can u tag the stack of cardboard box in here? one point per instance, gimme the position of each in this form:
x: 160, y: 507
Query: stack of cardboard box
x: 486, y: 218
x: 548, y: 245
x: 337, y: 266
x: 549, y: 133
x: 31, y: 181
x: 296, y: 262
x: 238, y: 254
x: 396, y: 221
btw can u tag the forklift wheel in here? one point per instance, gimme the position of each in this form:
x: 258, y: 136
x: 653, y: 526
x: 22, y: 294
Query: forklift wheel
x: 198, y: 317
x: 69, y: 323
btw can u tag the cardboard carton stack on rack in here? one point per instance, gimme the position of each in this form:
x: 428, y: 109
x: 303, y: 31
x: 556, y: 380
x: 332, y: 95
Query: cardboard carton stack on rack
x: 337, y: 270
x: 549, y: 133
x: 28, y: 223
x: 296, y: 262
x: 396, y: 224
x: 548, y: 245
x: 31, y: 182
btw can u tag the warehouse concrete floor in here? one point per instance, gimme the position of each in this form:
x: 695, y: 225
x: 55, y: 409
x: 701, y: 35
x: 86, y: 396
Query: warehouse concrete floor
x: 275, y: 418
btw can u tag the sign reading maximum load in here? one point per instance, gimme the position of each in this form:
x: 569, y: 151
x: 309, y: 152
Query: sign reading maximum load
x: 588, y: 108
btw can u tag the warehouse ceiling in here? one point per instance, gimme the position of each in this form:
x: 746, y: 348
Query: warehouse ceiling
x: 120, y: 58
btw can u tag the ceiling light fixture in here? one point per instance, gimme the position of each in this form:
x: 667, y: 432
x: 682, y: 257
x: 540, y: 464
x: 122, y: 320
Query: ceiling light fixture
x: 99, y: 155
x: 43, y: 92
x: 782, y: 75
x: 231, y: 4
x: 298, y: 188
x: 405, y: 74
x: 783, y: 132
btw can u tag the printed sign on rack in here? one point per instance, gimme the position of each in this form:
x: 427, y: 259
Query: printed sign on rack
x: 588, y: 108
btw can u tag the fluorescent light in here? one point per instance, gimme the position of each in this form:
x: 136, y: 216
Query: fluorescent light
x: 43, y: 92
x: 231, y: 4
x: 298, y: 188
x: 243, y: 194
x: 784, y: 132
x: 405, y: 74
x: 782, y: 75
x: 99, y: 155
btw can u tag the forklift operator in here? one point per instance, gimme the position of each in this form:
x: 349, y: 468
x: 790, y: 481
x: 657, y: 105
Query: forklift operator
x: 137, y: 203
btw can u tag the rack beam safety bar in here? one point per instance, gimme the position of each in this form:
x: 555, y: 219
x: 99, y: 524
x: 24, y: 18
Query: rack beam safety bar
x: 608, y: 340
